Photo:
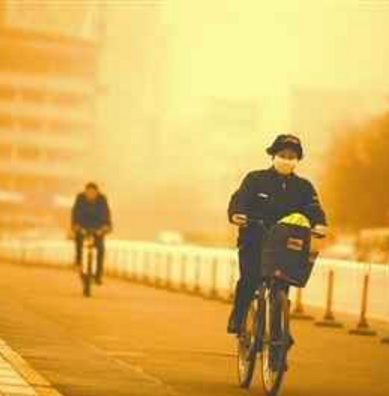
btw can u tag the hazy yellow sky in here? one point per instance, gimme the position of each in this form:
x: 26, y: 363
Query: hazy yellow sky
x: 181, y: 73
x: 249, y: 49
x: 254, y: 48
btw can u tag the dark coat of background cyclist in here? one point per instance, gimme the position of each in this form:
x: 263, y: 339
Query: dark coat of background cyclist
x: 91, y: 212
x: 268, y: 194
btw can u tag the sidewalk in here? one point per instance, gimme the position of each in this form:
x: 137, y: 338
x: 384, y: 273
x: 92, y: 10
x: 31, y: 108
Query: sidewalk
x: 17, y: 378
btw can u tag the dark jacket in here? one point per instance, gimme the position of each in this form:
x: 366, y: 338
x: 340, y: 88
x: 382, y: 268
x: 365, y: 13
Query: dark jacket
x: 91, y: 214
x: 268, y: 195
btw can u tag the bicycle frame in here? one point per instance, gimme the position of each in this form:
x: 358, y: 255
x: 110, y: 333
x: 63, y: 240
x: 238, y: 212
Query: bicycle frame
x: 89, y: 261
x: 89, y: 254
x: 267, y: 290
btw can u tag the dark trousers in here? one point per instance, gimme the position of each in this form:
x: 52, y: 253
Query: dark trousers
x: 100, y: 248
x: 250, y: 277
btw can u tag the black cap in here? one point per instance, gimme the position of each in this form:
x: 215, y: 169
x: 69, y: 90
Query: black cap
x: 92, y: 185
x: 286, y: 141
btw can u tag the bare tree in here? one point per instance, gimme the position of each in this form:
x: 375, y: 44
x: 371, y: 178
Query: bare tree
x: 356, y: 177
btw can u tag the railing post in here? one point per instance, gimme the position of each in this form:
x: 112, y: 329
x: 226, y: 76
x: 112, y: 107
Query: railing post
x: 385, y: 340
x: 363, y: 327
x: 157, y: 269
x: 22, y: 252
x: 329, y: 318
x: 183, y: 262
x: 197, y: 287
x: 299, y: 310
x: 125, y: 263
x: 168, y: 274
x: 213, y: 292
x: 134, y: 265
x: 146, y: 267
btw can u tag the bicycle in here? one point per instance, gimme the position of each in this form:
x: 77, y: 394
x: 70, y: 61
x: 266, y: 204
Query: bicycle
x: 88, y: 269
x: 266, y: 331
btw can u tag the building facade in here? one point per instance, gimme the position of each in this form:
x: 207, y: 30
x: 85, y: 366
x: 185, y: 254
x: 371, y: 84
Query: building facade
x: 47, y: 113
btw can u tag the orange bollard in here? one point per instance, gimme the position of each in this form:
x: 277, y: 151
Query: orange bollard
x: 329, y: 318
x: 363, y: 327
x: 299, y: 311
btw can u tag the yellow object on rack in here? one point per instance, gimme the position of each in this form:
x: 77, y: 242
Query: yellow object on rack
x: 296, y: 219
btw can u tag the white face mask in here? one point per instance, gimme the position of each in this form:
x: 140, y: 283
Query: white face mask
x: 284, y: 166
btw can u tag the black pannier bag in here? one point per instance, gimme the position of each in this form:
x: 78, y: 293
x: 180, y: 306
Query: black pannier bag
x: 287, y: 253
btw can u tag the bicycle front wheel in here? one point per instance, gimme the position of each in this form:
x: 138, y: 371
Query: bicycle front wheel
x: 87, y: 277
x: 276, y: 341
x: 247, y: 355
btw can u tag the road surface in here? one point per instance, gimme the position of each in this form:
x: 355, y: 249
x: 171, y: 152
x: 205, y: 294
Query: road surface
x: 132, y: 340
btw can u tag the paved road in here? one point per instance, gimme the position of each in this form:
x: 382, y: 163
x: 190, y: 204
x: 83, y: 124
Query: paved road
x: 130, y: 340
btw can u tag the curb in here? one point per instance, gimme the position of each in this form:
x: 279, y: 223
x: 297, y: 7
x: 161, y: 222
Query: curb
x: 27, y: 380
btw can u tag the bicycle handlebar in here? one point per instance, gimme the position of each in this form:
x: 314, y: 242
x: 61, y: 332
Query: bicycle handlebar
x: 252, y: 220
x: 261, y: 223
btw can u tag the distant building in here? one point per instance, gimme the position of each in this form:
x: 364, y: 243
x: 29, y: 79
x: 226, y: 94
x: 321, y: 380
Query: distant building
x: 47, y: 111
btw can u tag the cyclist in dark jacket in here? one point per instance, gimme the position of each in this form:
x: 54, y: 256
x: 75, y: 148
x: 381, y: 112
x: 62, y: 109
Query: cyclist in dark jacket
x: 268, y: 194
x: 91, y: 212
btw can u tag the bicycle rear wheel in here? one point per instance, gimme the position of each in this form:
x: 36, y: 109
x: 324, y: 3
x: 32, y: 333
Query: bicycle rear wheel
x: 87, y: 277
x: 276, y: 340
x: 247, y: 355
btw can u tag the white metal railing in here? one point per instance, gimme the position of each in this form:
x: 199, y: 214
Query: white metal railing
x: 213, y: 272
